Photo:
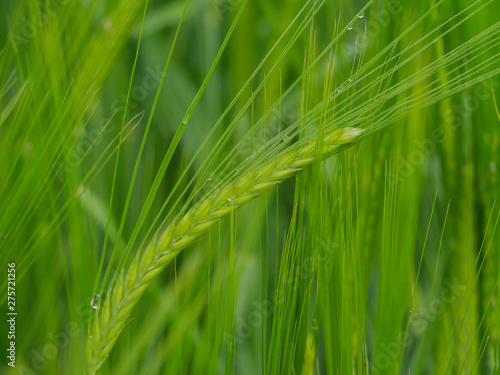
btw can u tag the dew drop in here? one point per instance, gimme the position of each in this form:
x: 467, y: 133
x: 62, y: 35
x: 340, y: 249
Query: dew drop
x: 339, y: 90
x: 95, y: 301
x: 350, y: 79
x: 435, y: 40
x: 186, y: 119
x: 350, y: 28
x: 361, y: 15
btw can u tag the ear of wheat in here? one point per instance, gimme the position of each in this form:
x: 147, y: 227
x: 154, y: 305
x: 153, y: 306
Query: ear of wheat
x: 128, y: 288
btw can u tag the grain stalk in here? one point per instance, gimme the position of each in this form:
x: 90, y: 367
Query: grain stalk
x: 132, y: 282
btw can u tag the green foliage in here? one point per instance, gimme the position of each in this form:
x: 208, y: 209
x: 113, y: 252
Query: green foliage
x: 329, y: 170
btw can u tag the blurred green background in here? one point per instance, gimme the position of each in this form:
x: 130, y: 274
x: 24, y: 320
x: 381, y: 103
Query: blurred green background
x: 387, y: 254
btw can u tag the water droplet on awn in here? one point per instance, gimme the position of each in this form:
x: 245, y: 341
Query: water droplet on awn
x: 95, y: 301
x: 361, y: 15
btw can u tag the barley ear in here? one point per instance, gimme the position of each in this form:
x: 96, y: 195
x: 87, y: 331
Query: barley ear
x: 128, y: 288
